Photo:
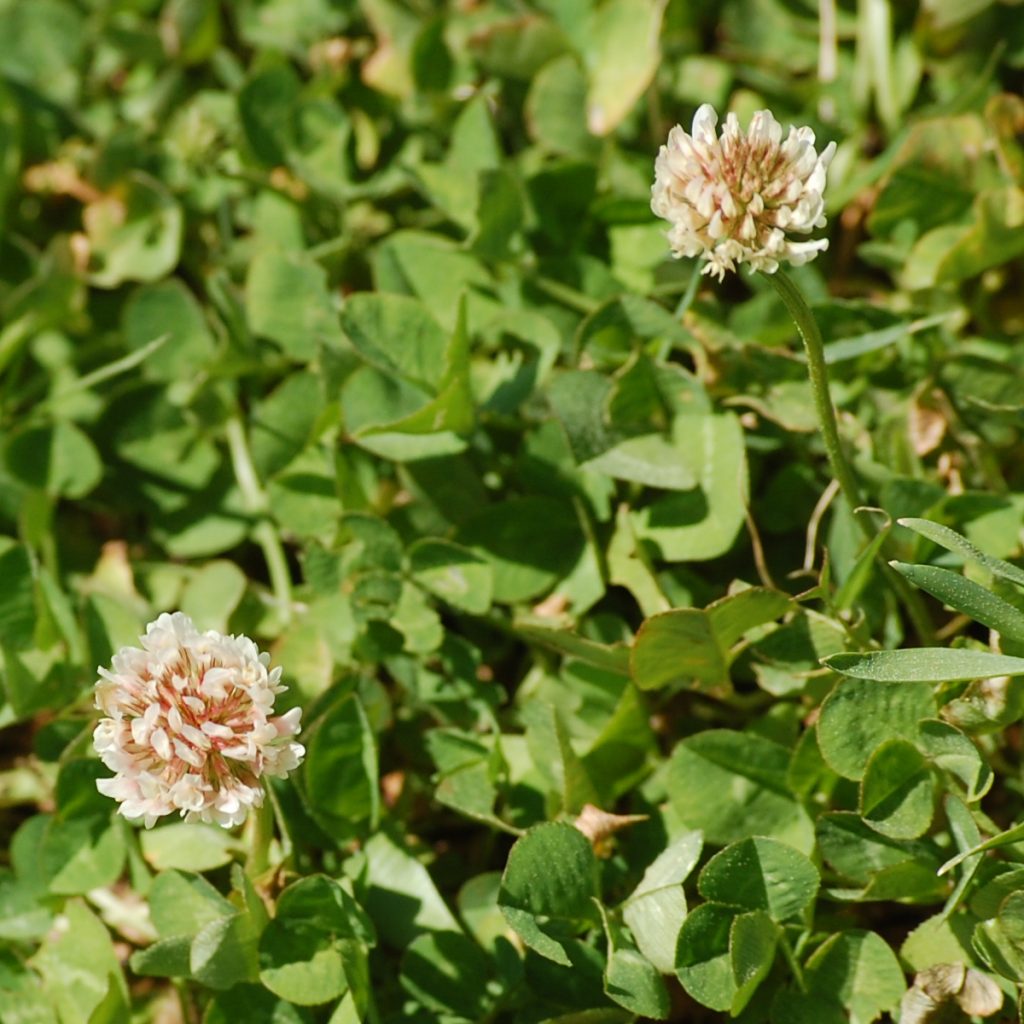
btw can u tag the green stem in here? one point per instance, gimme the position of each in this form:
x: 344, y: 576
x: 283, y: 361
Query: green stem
x: 690, y: 294
x: 263, y: 533
x: 277, y: 566
x: 565, y: 294
x: 14, y: 336
x: 284, y: 837
x: 187, y: 1003
x: 793, y: 961
x: 817, y: 373
x: 260, y: 834
x: 814, y: 346
x: 105, y: 373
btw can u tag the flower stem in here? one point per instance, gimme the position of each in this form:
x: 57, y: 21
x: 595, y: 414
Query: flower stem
x: 260, y: 833
x: 817, y: 372
x: 814, y: 346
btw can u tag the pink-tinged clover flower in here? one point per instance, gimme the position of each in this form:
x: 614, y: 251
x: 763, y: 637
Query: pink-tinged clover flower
x: 190, y: 725
x: 738, y: 198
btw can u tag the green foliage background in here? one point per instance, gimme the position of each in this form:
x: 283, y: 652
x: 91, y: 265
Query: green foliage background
x: 348, y: 327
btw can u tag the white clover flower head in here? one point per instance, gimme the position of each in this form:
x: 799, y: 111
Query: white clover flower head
x: 190, y: 725
x: 736, y: 199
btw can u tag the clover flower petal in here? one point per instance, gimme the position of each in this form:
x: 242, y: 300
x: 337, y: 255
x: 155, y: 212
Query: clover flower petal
x: 189, y: 725
x: 737, y: 198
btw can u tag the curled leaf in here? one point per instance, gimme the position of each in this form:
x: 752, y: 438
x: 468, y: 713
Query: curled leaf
x: 948, y: 993
x: 598, y: 826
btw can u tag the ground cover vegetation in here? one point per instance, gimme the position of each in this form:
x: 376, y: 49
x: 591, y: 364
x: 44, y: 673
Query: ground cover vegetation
x: 348, y: 328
